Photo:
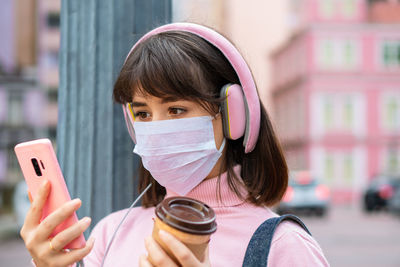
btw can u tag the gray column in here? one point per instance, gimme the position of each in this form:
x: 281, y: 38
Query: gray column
x: 93, y: 146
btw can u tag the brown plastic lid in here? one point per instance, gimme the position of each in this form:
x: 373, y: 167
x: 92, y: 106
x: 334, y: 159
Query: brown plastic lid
x: 187, y: 215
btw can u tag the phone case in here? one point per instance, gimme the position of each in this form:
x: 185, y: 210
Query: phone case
x: 38, y: 161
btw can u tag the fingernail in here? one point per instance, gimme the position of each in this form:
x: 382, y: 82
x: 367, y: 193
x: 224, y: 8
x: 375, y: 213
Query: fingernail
x: 86, y: 220
x: 163, y: 234
x: 90, y: 241
x: 75, y: 202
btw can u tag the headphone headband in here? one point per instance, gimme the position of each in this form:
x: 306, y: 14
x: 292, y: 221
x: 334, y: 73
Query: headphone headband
x: 239, y: 65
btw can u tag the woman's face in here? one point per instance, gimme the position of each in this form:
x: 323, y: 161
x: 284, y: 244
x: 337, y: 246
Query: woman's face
x: 151, y: 108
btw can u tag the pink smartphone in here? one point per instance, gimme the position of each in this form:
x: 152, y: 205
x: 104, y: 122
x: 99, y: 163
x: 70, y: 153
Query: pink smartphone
x: 38, y: 162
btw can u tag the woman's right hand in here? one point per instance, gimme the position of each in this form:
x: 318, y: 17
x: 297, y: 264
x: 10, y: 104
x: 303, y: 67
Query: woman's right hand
x: 36, y: 234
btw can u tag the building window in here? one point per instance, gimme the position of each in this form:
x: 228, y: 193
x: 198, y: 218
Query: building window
x: 327, y: 56
x: 390, y: 112
x: 3, y: 104
x: 390, y: 54
x: 340, y: 112
x: 349, y: 8
x: 326, y: 8
x: 393, y: 162
x: 330, y: 8
x: 337, y: 54
x: 12, y: 162
x: 53, y: 19
x: 391, y: 159
x: 50, y: 59
x: 329, y: 168
x: 329, y: 113
x: 348, y: 113
x: 349, y: 53
x: 3, y: 165
x: 348, y: 168
x: 339, y: 167
x: 15, y: 113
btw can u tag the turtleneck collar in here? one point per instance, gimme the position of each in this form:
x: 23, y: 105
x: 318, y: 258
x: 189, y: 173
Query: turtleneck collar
x: 207, y: 191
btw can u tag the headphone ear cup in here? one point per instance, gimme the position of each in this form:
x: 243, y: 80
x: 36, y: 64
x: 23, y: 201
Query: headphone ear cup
x: 233, y: 111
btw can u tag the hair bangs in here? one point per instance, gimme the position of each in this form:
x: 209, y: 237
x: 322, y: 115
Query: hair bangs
x: 160, y: 68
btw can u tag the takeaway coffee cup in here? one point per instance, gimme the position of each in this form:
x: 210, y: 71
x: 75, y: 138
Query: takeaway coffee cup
x: 189, y: 220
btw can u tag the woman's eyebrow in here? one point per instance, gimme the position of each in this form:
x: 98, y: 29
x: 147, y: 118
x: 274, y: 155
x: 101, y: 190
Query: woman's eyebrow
x: 138, y: 104
x: 170, y: 99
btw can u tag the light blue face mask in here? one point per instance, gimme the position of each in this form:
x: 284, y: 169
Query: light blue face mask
x: 178, y: 153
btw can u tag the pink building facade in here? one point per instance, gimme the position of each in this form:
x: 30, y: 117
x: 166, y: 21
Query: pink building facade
x: 336, y: 92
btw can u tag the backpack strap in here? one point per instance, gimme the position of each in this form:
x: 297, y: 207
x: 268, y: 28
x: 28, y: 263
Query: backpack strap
x: 260, y: 243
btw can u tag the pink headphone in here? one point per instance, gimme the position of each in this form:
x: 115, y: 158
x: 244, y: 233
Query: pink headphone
x: 241, y: 109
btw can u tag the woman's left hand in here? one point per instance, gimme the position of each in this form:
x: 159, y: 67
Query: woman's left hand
x: 160, y: 258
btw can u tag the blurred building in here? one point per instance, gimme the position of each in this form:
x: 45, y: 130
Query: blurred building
x: 48, y: 46
x: 256, y: 28
x: 29, y: 45
x: 336, y: 91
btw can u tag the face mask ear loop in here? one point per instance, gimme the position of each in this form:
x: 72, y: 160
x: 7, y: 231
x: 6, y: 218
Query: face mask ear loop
x: 218, y: 113
x: 221, y: 148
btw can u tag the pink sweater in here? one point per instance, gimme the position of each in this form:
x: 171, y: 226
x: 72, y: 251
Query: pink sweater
x: 237, y: 221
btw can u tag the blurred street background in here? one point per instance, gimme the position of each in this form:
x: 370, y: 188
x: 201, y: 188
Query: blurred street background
x: 328, y: 72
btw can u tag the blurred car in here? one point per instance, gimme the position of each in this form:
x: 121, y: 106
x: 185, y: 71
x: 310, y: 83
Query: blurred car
x: 394, y: 202
x: 305, y: 194
x: 379, y: 192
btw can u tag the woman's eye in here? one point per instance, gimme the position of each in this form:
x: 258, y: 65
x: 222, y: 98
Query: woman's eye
x: 142, y: 115
x: 176, y: 111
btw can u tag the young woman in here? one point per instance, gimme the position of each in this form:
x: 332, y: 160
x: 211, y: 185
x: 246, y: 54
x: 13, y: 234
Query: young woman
x: 193, y: 111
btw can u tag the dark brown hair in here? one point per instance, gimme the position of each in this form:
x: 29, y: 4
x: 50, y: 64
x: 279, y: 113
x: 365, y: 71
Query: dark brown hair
x: 183, y: 65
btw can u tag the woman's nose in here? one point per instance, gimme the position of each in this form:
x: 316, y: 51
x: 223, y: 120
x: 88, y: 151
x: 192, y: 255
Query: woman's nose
x: 159, y: 116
